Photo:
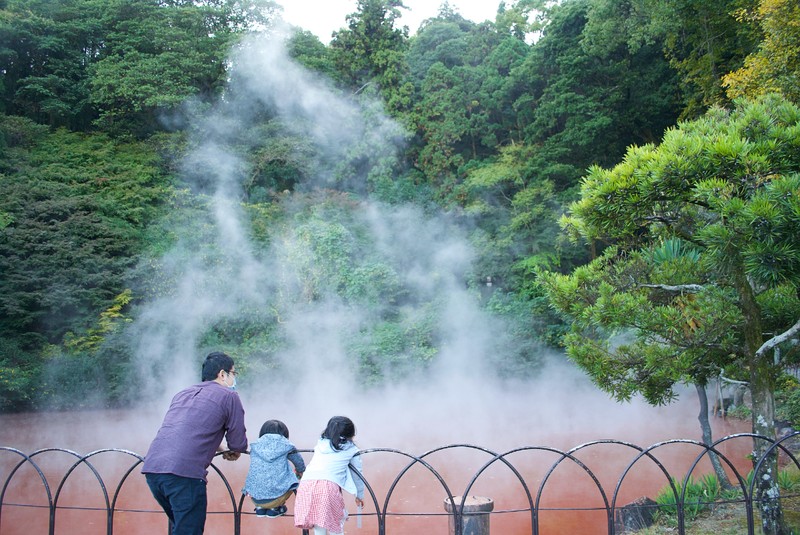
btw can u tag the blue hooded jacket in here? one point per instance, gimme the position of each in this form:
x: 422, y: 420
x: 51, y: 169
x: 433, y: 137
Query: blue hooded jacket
x: 270, y: 475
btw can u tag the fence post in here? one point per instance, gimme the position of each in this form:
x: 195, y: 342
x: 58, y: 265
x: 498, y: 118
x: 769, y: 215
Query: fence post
x: 474, y: 517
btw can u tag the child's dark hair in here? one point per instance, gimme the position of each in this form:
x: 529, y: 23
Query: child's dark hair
x: 340, y: 430
x: 274, y: 427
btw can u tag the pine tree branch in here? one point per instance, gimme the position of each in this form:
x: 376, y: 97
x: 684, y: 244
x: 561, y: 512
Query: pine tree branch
x: 691, y: 288
x: 732, y: 381
x: 793, y: 332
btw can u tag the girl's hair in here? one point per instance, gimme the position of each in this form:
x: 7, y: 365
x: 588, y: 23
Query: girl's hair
x: 274, y: 427
x: 340, y: 429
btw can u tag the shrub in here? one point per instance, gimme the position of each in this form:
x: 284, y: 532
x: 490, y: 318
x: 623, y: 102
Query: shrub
x: 699, y: 495
x: 787, y: 401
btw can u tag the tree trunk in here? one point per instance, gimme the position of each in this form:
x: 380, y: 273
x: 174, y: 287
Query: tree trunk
x: 705, y: 427
x: 762, y: 390
x: 766, y: 490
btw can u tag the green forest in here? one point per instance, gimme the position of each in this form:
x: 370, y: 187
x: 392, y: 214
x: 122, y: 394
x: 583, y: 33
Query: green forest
x: 625, y: 172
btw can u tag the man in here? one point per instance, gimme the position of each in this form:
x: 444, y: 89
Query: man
x: 176, y: 464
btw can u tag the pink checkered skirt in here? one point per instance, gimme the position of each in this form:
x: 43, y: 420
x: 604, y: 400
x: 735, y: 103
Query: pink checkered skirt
x: 319, y: 503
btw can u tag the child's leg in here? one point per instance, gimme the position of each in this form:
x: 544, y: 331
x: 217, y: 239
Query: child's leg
x: 272, y: 504
x: 320, y: 531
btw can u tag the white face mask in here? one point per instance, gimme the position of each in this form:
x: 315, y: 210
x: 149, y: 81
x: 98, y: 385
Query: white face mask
x: 232, y: 386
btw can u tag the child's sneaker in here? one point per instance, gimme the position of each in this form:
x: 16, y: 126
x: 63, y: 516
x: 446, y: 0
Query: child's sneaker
x: 261, y: 512
x: 276, y: 512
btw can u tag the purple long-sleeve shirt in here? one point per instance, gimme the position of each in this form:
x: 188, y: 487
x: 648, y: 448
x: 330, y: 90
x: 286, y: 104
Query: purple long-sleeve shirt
x: 197, y: 419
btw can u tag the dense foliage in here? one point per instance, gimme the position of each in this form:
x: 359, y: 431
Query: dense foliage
x: 702, y: 260
x: 497, y: 120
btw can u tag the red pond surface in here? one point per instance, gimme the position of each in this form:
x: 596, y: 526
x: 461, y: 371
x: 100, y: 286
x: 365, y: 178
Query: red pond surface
x: 571, y: 502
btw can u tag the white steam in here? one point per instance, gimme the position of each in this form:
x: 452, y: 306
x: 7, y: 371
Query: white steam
x: 455, y: 399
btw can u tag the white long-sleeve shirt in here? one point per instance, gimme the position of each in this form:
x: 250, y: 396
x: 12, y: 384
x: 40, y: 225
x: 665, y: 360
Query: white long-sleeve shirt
x: 332, y: 465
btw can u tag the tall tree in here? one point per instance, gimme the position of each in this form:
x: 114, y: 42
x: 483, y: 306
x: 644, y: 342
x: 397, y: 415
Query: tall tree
x: 442, y: 39
x: 306, y: 48
x: 46, y: 49
x: 66, y: 62
x: 702, y: 268
x: 521, y: 18
x: 464, y: 110
x: 442, y: 117
x: 181, y: 44
x: 583, y: 95
x: 775, y: 66
x: 703, y: 41
x: 371, y: 50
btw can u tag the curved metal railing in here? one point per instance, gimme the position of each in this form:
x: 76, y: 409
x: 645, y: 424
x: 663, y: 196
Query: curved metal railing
x: 513, y: 477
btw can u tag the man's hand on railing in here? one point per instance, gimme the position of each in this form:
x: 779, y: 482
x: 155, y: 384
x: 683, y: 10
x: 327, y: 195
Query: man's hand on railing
x: 231, y: 455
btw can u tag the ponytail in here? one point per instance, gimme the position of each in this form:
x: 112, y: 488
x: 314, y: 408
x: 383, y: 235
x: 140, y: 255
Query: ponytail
x: 339, y: 431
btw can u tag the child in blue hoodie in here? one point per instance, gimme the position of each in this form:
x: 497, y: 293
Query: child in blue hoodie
x: 271, y: 480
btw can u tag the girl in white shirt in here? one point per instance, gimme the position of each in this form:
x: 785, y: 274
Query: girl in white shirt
x: 319, y: 503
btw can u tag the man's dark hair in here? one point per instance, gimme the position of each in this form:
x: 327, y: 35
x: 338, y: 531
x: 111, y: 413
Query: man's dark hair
x: 274, y: 427
x: 215, y: 362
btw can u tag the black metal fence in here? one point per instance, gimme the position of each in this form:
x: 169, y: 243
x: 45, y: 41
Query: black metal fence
x: 46, y: 485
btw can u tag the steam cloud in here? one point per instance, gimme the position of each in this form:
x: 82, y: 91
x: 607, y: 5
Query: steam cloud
x: 457, y: 399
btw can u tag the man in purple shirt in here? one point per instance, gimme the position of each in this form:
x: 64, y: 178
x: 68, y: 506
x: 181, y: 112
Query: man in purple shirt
x: 176, y: 464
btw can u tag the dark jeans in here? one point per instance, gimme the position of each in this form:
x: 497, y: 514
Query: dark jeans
x: 183, y: 499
